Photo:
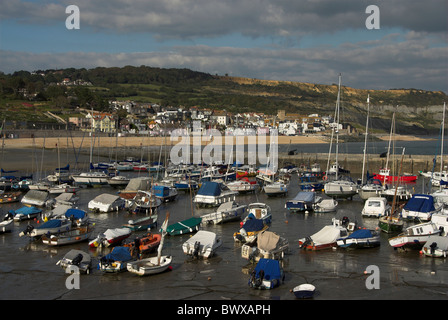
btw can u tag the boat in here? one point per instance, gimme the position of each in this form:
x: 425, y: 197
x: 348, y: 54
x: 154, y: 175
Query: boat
x: 414, y: 237
x: 106, y: 203
x: 134, y: 186
x: 310, y: 182
x: 50, y: 227
x: 110, y: 237
x: 441, y: 220
x: 436, y: 246
x: 384, y: 175
x: 66, y: 198
x: 118, y: 181
x: 303, y: 202
x: 186, y: 185
x: 10, y: 196
x: 269, y: 245
x: 420, y: 207
x: 7, y: 223
x: 324, y: 205
x: 212, y: 194
x: 153, y: 265
x: 242, y: 186
x: 144, y: 244
x: 267, y: 274
x: 276, y: 188
x: 35, y: 198
x: 25, y: 213
x: 372, y: 188
x: 62, y: 188
x: 361, y: 238
x: 327, y: 237
x: 144, y: 202
x: 143, y: 223
x: 164, y: 193
x: 341, y: 187
x: 115, y: 261
x: 376, y: 207
x: 401, y: 194
x: 183, y: 227
x: 250, y: 230
x: 258, y: 210
x: 93, y: 178
x: 76, y: 258
x: 76, y: 235
x: 202, y: 245
x: 304, y: 291
x: 226, y: 212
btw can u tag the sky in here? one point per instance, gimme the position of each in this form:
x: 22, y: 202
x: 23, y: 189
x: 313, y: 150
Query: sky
x: 293, y: 40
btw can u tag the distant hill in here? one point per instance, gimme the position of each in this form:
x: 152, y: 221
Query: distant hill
x: 417, y: 111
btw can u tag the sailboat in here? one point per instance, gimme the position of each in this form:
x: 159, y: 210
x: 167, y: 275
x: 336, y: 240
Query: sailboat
x: 340, y: 186
x: 392, y: 223
x: 156, y: 264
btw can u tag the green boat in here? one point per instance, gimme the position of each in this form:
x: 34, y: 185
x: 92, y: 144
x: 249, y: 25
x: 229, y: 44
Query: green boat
x: 183, y: 227
x: 390, y: 224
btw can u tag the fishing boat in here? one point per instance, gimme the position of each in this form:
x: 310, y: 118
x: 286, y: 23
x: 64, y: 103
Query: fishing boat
x: 10, y: 196
x: 258, y: 210
x: 116, y: 261
x: 276, y: 188
x: 268, y: 274
x: 384, y: 175
x: 7, y: 223
x: 106, y: 203
x: 269, y: 245
x: 76, y: 235
x: 420, y: 207
x: 361, y: 238
x: 153, y: 265
x: 226, y: 212
x: 376, y: 207
x: 303, y: 202
x: 144, y: 244
x: 25, y: 213
x: 143, y: 223
x: 414, y: 237
x: 304, y: 291
x: 36, y: 198
x: 202, y: 245
x: 183, y: 227
x: 250, y: 230
x: 144, y: 202
x: 134, y: 186
x: 164, y: 193
x: 110, y: 237
x: 327, y: 237
x: 436, y: 246
x: 76, y: 258
x: 324, y: 205
x: 212, y: 194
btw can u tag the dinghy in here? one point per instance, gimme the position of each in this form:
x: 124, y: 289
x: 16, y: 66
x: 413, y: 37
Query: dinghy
x: 110, y: 237
x: 145, y: 244
x: 304, y: 291
x: 268, y: 274
x: 77, y: 258
x: 203, y: 244
x: 116, y: 261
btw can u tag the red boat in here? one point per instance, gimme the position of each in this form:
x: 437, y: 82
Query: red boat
x: 385, y: 176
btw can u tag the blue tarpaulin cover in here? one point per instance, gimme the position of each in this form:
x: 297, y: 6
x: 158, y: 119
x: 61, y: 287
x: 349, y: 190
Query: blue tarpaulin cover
x: 210, y: 188
x: 161, y: 191
x: 304, y: 196
x: 119, y: 254
x: 54, y: 223
x: 361, y: 234
x: 253, y: 225
x: 420, y: 203
x: 270, y: 267
x: 76, y: 213
x: 26, y: 210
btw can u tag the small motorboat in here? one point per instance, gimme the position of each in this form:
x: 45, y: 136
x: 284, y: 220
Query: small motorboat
x: 269, y: 245
x: 277, y: 188
x: 110, y: 237
x: 203, y: 244
x: 436, y: 246
x: 75, y: 235
x: 145, y: 244
x: 228, y: 211
x: 106, y: 203
x: 267, y: 274
x: 7, y: 223
x: 164, y: 193
x: 25, y: 213
x: 325, y: 205
x: 143, y: 223
x: 376, y: 207
x: 77, y: 258
x: 213, y: 194
x: 118, y: 181
x: 361, y: 238
x: 258, y: 210
x: 303, y: 202
x: 248, y: 233
x: 116, y: 261
x: 36, y: 198
x: 414, y: 237
x: 327, y: 237
x: 304, y: 291
x: 50, y: 227
x: 144, y: 202
x: 420, y: 207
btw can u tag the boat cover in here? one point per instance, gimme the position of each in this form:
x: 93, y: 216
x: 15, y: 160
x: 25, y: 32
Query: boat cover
x: 76, y: 213
x: 226, y: 206
x: 119, y: 254
x: 114, y: 233
x: 253, y: 225
x: 420, y: 203
x: 205, y: 238
x: 26, y: 210
x: 361, y: 234
x: 304, y: 196
x: 189, y: 223
x: 210, y: 188
x: 327, y: 234
x: 270, y: 267
x: 268, y: 241
x: 38, y: 195
x: 106, y: 198
x: 142, y: 183
x: 54, y: 223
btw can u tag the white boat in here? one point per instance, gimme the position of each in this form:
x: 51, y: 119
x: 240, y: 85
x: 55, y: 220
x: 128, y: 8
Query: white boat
x: 258, y: 210
x: 441, y: 220
x: 373, y: 188
x: 118, y: 181
x: 110, y: 237
x: 154, y: 265
x: 436, y: 246
x: 7, y: 223
x: 402, y: 194
x: 327, y: 237
x: 77, y: 258
x: 203, y: 244
x: 343, y: 187
x: 414, y: 237
x: 134, y: 186
x: 269, y: 245
x: 106, y: 203
x: 228, y: 211
x: 35, y: 198
x: 50, y: 227
x: 419, y: 207
x: 277, y: 188
x: 304, y: 291
x: 440, y: 196
x: 211, y: 194
x: 376, y: 207
x: 242, y: 186
x: 91, y: 178
x: 75, y: 235
x: 144, y: 202
x: 66, y: 198
x: 325, y: 205
x: 63, y: 188
x: 304, y: 201
x: 25, y: 213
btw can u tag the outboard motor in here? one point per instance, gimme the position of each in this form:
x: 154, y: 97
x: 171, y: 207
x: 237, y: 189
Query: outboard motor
x: 77, y: 260
x: 27, y: 230
x: 8, y: 216
x: 196, y: 248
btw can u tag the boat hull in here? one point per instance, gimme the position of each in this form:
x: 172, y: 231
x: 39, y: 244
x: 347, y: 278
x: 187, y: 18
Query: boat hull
x: 149, y: 266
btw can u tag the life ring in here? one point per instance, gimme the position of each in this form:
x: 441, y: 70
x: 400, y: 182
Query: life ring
x: 324, y: 178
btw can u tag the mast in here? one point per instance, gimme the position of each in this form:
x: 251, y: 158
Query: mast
x: 443, y: 132
x: 337, y: 128
x: 365, y: 140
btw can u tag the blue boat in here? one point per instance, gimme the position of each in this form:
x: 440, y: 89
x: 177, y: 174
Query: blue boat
x: 116, y: 261
x: 25, y: 213
x: 361, y: 238
x: 164, y: 193
x: 267, y: 274
x: 419, y: 207
x: 303, y: 201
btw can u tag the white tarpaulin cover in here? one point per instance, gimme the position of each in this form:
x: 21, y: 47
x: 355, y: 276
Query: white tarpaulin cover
x: 327, y: 234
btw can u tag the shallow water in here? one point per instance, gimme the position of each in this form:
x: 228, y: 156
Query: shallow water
x: 28, y: 270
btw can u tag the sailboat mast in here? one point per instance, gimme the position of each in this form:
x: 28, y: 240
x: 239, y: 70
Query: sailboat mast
x: 365, y: 140
x: 337, y: 128
x: 443, y: 132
